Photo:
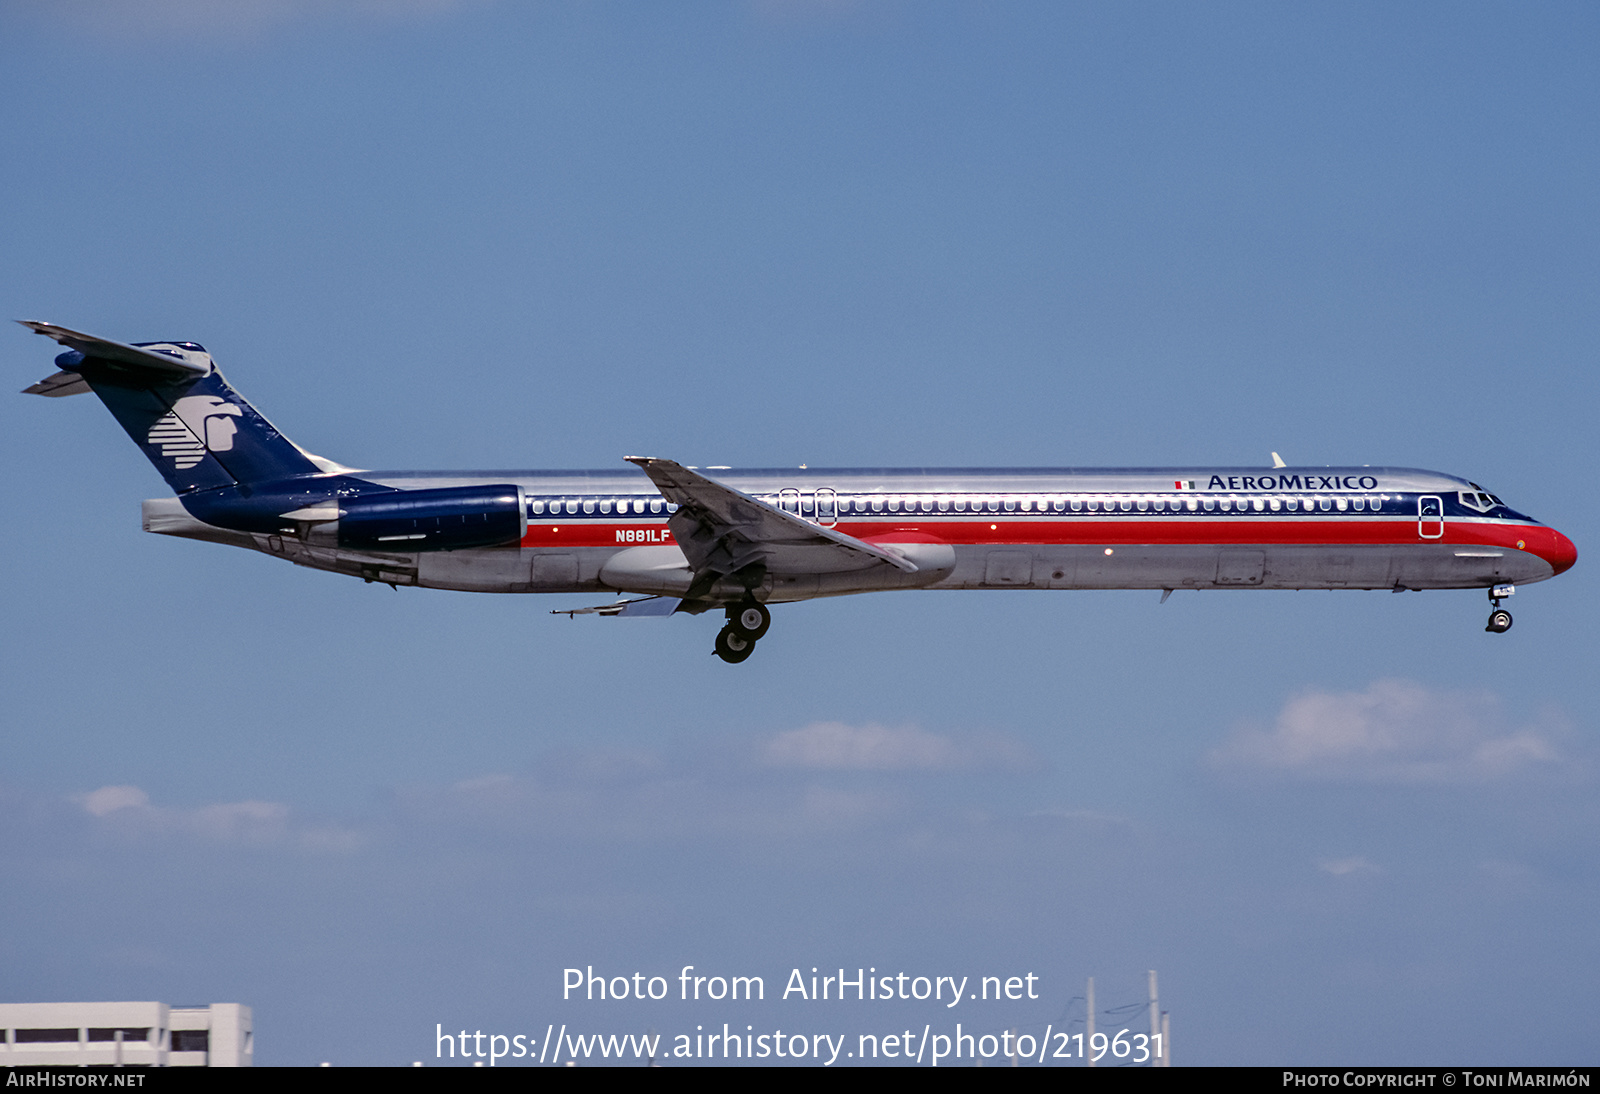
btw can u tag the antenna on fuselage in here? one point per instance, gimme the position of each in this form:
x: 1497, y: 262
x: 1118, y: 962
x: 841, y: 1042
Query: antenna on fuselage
x: 1277, y: 461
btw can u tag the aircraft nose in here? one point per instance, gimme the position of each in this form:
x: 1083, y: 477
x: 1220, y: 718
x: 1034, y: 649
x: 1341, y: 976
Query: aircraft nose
x: 1556, y: 549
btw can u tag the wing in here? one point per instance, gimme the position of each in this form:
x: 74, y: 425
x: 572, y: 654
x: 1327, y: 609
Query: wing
x: 724, y: 532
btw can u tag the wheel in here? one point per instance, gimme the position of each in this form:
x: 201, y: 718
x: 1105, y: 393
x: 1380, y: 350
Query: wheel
x: 751, y: 619
x: 1499, y: 621
x: 732, y: 646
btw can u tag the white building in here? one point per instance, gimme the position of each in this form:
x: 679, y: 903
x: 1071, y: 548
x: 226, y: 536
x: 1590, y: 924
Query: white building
x: 126, y: 1034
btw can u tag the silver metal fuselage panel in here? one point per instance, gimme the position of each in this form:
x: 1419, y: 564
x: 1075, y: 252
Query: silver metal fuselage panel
x: 1183, y: 528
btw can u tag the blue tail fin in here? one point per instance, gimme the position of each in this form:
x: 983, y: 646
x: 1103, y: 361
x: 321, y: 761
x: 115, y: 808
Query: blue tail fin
x: 197, y: 431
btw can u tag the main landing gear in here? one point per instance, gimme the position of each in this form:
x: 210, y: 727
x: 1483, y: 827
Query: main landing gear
x: 747, y: 622
x: 1499, y: 618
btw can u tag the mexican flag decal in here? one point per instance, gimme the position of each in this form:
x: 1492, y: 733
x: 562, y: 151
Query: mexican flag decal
x: 1183, y: 484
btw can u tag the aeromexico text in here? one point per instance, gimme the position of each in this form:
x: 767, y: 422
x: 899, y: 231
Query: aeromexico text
x: 1292, y: 482
x: 824, y: 985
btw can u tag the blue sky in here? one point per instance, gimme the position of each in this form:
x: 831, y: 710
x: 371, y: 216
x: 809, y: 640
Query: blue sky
x: 480, y: 234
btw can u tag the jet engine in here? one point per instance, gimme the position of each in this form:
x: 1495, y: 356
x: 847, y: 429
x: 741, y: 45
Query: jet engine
x: 450, y: 519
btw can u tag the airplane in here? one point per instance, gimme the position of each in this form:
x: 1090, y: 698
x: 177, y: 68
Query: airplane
x: 672, y: 538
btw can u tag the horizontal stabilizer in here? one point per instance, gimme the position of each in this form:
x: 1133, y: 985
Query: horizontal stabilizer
x: 120, y: 354
x: 59, y: 386
x: 644, y: 607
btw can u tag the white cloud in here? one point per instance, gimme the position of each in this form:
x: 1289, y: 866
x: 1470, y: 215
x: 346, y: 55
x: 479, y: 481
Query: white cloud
x: 1395, y: 731
x: 108, y: 799
x: 127, y: 812
x: 834, y: 746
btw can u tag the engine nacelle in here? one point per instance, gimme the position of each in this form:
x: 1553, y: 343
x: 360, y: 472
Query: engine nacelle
x: 451, y: 519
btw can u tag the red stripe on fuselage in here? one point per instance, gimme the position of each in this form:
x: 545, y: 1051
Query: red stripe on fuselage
x: 1172, y: 531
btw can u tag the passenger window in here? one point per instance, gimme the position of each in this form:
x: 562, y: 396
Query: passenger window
x: 926, y: 505
x: 1159, y: 505
x: 1274, y: 504
x: 605, y: 506
x: 1010, y: 505
x: 961, y: 505
x: 572, y: 505
x: 1143, y: 505
x: 877, y: 505
x: 1225, y: 504
x: 1193, y: 505
x: 944, y: 505
x: 1324, y: 504
x: 1209, y: 504
x: 1342, y: 503
x: 655, y: 505
x: 894, y: 505
x: 1126, y: 505
x: 1077, y: 505
x: 992, y: 504
x: 1372, y: 503
x: 538, y: 507
x: 1358, y: 504
x: 588, y: 505
x: 1094, y: 505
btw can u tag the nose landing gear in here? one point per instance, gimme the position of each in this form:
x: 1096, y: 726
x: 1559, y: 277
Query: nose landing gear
x: 747, y: 622
x: 1499, y: 618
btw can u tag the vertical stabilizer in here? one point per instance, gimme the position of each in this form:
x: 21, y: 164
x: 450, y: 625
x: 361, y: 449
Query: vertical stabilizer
x: 198, y: 432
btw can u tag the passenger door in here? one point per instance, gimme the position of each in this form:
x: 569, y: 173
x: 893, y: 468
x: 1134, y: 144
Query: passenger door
x: 827, y: 507
x: 1430, y: 516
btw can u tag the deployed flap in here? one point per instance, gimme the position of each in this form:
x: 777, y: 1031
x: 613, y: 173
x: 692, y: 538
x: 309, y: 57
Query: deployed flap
x: 59, y: 385
x: 643, y: 608
x: 118, y: 353
x: 722, y: 531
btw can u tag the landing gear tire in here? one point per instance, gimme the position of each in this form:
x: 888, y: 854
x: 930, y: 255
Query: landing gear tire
x: 751, y: 619
x: 1499, y: 621
x: 733, y: 646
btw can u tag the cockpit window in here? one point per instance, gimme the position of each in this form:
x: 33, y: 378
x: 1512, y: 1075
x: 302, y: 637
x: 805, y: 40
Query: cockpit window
x: 1480, y: 500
